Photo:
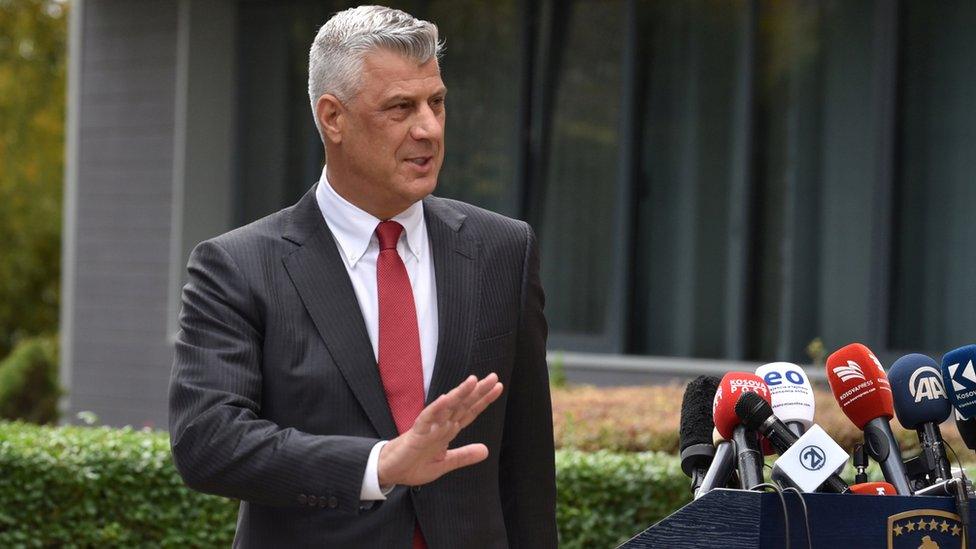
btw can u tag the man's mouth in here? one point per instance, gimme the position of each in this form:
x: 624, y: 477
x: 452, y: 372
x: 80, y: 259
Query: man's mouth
x: 420, y: 161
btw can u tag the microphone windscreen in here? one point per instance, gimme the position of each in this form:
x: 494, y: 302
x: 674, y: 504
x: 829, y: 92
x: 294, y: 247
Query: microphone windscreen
x: 967, y: 430
x: 917, y: 390
x: 959, y: 375
x: 732, y: 386
x: 874, y: 489
x: 859, y: 384
x: 696, y: 411
x: 789, y: 391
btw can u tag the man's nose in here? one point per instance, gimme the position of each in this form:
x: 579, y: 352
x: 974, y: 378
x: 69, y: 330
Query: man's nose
x: 427, y: 125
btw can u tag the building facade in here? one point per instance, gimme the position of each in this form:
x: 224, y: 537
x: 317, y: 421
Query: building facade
x: 712, y: 182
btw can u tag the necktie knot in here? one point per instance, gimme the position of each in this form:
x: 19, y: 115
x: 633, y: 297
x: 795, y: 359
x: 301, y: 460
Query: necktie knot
x: 388, y: 233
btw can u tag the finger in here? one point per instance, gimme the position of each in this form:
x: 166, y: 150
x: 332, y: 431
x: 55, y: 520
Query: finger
x: 480, y: 390
x: 475, y: 410
x: 442, y: 409
x: 461, y: 457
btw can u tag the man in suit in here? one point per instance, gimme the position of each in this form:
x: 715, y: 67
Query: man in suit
x: 366, y: 368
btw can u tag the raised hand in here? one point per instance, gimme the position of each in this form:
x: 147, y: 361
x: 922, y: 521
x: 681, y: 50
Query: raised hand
x: 421, y: 455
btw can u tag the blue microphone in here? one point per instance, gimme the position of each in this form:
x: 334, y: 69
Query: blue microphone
x: 959, y: 374
x: 921, y: 403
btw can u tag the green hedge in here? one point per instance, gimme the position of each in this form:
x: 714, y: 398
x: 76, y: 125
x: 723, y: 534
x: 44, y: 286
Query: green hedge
x: 101, y: 487
x: 29, y: 387
x: 606, y: 498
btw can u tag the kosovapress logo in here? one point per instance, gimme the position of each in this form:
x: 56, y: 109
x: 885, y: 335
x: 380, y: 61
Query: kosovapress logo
x: 849, y: 372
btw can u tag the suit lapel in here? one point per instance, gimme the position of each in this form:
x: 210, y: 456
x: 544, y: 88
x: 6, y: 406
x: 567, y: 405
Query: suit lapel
x: 316, y: 270
x: 458, y: 284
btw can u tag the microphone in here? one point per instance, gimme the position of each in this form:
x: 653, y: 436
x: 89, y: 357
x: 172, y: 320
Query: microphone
x: 695, y: 430
x: 860, y: 460
x: 720, y: 471
x: 921, y: 404
x: 960, y: 377
x: 790, y: 393
x: 874, y: 489
x: 816, y: 459
x: 862, y: 390
x: 748, y: 455
x: 967, y: 430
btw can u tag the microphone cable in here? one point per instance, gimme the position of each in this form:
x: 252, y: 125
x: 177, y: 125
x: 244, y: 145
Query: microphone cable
x: 806, y: 513
x: 782, y: 501
x: 962, y: 493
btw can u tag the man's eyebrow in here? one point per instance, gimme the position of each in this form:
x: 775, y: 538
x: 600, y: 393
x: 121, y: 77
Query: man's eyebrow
x: 407, y: 97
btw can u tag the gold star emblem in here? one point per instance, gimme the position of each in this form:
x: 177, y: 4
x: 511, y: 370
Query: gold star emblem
x: 955, y: 530
x: 944, y: 527
x: 921, y: 524
x: 933, y: 525
x: 898, y: 530
x: 910, y: 526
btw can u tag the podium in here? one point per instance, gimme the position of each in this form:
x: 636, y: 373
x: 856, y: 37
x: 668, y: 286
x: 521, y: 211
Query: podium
x: 733, y: 519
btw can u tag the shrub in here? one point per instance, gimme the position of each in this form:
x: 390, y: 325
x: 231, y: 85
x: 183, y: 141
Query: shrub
x: 102, y: 487
x: 29, y: 388
x: 606, y: 498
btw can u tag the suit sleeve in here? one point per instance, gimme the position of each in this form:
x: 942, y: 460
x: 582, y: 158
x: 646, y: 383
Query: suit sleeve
x: 220, y: 443
x: 526, y: 464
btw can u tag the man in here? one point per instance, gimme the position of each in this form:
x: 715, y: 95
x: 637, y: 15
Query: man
x: 367, y: 367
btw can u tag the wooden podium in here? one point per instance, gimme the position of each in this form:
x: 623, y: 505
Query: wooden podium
x: 732, y: 519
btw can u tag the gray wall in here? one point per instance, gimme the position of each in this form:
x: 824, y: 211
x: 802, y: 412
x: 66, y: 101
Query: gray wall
x: 147, y: 130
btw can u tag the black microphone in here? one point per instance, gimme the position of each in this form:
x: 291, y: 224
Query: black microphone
x: 860, y: 461
x: 720, y: 471
x: 967, y: 430
x: 758, y: 415
x: 749, y: 456
x: 695, y: 430
x: 921, y: 403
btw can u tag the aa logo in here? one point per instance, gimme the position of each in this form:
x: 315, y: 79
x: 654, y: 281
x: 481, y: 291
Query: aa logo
x: 925, y: 529
x: 924, y: 386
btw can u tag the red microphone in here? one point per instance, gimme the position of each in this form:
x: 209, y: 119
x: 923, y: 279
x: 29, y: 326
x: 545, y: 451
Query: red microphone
x: 727, y: 422
x: 860, y: 384
x: 861, y: 387
x: 874, y: 489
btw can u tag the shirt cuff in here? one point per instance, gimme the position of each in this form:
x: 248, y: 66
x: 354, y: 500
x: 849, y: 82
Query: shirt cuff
x: 372, y: 490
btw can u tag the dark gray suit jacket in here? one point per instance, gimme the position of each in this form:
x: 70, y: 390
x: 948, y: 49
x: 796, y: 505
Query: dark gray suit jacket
x: 276, y: 400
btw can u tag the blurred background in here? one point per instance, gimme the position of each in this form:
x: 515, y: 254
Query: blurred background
x: 716, y: 184
x: 716, y: 181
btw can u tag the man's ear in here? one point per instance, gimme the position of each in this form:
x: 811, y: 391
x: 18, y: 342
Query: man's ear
x: 330, y: 114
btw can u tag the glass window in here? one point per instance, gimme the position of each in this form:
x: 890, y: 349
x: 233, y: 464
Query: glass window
x: 934, y: 287
x: 579, y: 193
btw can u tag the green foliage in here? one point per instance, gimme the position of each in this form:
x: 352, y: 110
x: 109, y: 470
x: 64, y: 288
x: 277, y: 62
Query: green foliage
x: 101, y: 487
x: 33, y: 37
x: 557, y: 371
x: 29, y: 388
x: 607, y: 498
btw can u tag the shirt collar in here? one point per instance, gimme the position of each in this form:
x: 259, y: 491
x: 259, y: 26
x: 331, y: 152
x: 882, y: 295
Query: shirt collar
x: 354, y: 228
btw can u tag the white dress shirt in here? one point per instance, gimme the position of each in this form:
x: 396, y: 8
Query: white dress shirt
x: 354, y: 233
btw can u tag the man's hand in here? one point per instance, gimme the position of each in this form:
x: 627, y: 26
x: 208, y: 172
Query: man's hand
x: 421, y: 455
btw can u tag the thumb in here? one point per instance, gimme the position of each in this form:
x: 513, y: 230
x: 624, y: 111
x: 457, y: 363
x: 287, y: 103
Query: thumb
x: 461, y: 457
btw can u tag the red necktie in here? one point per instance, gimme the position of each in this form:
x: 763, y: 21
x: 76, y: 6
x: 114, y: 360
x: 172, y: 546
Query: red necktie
x: 401, y: 369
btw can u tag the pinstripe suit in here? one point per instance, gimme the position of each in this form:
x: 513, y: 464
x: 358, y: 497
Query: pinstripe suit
x: 276, y: 400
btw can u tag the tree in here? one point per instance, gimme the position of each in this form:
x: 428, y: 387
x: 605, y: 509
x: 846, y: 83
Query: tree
x: 33, y: 37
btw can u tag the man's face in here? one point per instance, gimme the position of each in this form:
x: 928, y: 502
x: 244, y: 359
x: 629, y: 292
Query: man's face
x: 393, y: 138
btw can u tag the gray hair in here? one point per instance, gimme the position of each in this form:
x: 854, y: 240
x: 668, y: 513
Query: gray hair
x: 336, y: 57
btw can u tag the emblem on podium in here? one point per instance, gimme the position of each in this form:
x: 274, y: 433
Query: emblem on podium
x: 925, y: 529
